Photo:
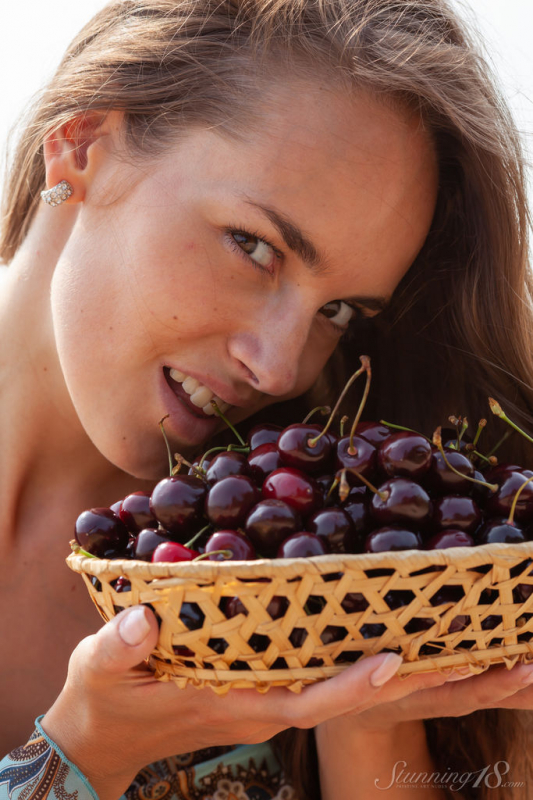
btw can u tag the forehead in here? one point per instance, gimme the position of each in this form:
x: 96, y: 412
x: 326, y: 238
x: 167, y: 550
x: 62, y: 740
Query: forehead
x: 357, y: 176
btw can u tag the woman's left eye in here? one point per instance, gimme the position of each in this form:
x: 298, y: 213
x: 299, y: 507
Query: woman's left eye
x: 251, y: 246
x: 340, y: 313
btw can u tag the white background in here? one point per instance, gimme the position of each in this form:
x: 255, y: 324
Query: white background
x: 34, y: 34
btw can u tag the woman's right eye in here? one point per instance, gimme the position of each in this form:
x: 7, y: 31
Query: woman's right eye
x: 254, y: 249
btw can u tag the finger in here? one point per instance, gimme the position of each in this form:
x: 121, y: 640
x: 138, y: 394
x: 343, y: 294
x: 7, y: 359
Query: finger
x: 120, y: 644
x: 355, y: 689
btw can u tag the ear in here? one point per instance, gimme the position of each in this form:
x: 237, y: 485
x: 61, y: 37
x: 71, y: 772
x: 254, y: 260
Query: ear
x: 75, y: 151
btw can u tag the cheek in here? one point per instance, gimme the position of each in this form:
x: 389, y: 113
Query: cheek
x: 315, y: 355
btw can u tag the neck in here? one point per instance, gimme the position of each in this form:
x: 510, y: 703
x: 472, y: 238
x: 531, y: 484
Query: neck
x: 46, y: 456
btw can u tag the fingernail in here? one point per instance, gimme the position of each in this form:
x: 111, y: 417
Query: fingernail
x: 386, y: 670
x: 134, y: 627
x: 528, y: 676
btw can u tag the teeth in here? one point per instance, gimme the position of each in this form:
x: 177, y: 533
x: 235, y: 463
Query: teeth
x: 208, y: 409
x: 177, y: 376
x: 190, y: 385
x: 201, y: 396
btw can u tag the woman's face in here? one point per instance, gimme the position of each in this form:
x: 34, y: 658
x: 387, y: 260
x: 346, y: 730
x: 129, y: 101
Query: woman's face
x: 233, y: 270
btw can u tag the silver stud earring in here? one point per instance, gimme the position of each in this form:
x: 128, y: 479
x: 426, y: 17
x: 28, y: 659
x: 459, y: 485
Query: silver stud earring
x: 57, y: 194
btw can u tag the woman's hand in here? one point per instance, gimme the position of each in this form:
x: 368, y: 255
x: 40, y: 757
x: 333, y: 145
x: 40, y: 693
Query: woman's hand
x: 112, y: 718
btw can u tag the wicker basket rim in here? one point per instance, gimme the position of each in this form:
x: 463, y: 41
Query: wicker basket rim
x: 466, y: 557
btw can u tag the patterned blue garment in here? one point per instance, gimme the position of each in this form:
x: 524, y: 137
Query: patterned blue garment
x: 40, y: 771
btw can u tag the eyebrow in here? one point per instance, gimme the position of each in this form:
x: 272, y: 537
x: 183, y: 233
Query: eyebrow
x: 297, y: 241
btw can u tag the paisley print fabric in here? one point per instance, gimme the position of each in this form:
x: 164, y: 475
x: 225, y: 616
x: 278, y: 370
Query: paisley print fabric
x: 40, y: 771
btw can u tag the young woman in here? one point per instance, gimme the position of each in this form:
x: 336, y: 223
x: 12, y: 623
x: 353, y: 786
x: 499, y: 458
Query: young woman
x: 252, y: 195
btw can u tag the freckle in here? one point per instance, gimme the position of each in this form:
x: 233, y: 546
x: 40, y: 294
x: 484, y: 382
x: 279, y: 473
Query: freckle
x: 123, y: 438
x: 174, y: 317
x: 110, y: 327
x: 45, y: 369
x: 189, y: 246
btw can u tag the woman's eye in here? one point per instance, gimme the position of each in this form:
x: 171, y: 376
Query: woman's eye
x: 258, y: 250
x: 339, y: 313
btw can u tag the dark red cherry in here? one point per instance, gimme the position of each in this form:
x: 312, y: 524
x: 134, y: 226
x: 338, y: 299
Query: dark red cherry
x: 302, y: 545
x: 295, y: 446
x: 146, y: 542
x: 269, y: 523
x: 264, y: 460
x: 498, y: 473
x: 404, y: 502
x: 335, y: 526
x: 230, y: 501
x: 239, y: 545
x: 373, y: 432
x: 325, y: 483
x: 449, y: 538
x: 441, y: 479
x: 500, y: 502
x: 136, y: 513
x: 116, y: 507
x: 357, y: 510
x: 101, y: 532
x: 392, y: 537
x: 451, y: 594
x: 199, y: 471
x: 172, y: 551
x: 225, y: 464
x: 122, y: 584
x: 178, y: 504
x: 499, y: 530
x: 364, y: 460
x: 405, y: 454
x: 456, y: 511
x: 263, y: 434
x: 295, y: 488
x: 480, y: 493
x: 354, y: 601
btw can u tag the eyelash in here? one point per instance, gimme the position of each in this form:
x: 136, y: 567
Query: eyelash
x: 346, y: 333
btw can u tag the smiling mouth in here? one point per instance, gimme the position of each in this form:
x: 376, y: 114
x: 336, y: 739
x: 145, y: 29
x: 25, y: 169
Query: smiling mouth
x: 193, y: 395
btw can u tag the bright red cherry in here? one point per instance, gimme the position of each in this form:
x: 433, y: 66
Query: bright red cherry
x: 173, y: 551
x: 295, y: 488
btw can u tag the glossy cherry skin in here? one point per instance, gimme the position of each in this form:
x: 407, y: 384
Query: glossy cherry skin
x: 354, y: 601
x: 230, y: 501
x: 122, y: 584
x: 135, y: 512
x: 357, y: 510
x: 363, y: 461
x: 263, y: 434
x: 500, y: 502
x: 449, y: 538
x: 392, y: 537
x: 499, y: 530
x: 116, y: 507
x: 458, y: 512
x: 295, y: 488
x: 172, y: 551
x: 146, y: 542
x: 269, y: 523
x: 296, y: 451
x: 264, y: 460
x: 335, y: 526
x: 406, y: 502
x: 405, y: 454
x: 101, y: 532
x: 302, y: 545
x: 239, y: 545
x: 441, y: 479
x: 225, y: 464
x: 373, y: 432
x: 178, y: 504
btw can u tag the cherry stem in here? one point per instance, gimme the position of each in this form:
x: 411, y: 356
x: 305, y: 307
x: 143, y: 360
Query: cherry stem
x: 437, y: 441
x: 501, y: 441
x: 481, y: 424
x: 80, y: 551
x: 196, y: 537
x: 342, y: 423
x: 170, y: 464
x: 496, y: 409
x: 366, y: 365
x: 219, y: 413
x: 510, y: 521
x: 331, y: 489
x: 312, y: 442
x: 343, y: 491
x: 324, y: 410
x: 403, y: 428
x: 226, y: 553
x: 480, y: 455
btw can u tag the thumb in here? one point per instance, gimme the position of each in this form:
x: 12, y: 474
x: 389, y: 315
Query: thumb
x: 122, y: 643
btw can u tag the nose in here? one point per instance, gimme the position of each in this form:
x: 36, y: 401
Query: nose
x: 268, y: 351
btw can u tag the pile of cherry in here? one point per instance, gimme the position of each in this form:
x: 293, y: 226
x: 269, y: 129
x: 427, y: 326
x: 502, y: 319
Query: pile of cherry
x: 292, y: 497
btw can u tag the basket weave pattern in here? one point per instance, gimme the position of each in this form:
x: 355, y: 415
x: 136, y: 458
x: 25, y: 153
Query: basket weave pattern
x: 487, y: 574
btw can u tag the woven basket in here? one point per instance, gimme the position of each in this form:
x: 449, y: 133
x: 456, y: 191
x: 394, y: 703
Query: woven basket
x: 488, y: 574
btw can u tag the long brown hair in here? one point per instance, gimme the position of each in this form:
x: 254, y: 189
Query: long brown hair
x: 460, y: 324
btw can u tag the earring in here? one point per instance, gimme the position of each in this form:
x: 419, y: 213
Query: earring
x: 57, y: 194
